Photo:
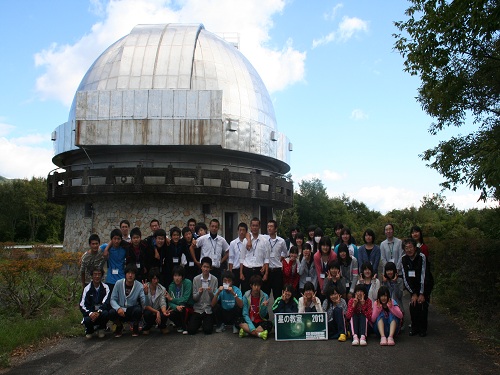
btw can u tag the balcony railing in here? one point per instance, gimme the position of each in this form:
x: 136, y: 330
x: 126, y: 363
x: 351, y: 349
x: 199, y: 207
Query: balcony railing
x: 274, y: 188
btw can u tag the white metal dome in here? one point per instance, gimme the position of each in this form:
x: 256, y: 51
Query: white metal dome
x: 181, y: 79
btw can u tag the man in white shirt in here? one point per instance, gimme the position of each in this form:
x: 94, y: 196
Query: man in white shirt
x: 254, y: 259
x: 125, y: 228
x: 213, y: 246
x: 235, y: 248
x: 278, y: 252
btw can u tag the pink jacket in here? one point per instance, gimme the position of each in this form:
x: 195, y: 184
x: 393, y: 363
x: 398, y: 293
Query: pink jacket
x: 377, y: 310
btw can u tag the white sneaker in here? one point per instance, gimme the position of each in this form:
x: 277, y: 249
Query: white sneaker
x: 362, y: 340
x: 220, y: 328
x: 88, y: 336
x: 100, y: 333
x: 355, y: 340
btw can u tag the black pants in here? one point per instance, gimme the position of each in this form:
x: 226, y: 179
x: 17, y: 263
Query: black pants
x: 223, y: 316
x: 419, y: 314
x: 336, y: 326
x: 359, y: 325
x: 100, y: 322
x: 192, y: 271
x: 236, y: 277
x: 248, y: 273
x: 132, y: 314
x: 150, y: 320
x: 181, y: 318
x: 204, y: 320
x: 274, y: 282
x: 217, y: 272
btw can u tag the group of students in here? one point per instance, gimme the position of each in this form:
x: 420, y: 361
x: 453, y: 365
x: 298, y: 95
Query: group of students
x: 197, y: 280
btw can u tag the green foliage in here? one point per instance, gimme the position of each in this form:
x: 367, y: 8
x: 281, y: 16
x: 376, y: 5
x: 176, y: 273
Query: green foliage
x: 18, y: 332
x: 312, y: 204
x: 26, y: 215
x: 463, y: 246
x: 454, y: 47
x: 286, y: 219
x: 314, y: 207
x: 468, y: 282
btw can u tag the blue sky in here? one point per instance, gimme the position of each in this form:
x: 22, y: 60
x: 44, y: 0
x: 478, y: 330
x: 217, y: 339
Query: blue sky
x: 338, y: 87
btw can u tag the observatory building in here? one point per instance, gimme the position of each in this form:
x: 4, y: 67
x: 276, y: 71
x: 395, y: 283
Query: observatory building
x: 170, y: 122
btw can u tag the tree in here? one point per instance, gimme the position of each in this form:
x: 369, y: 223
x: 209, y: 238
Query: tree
x: 286, y: 219
x: 312, y: 204
x: 26, y: 215
x: 454, y: 47
x: 11, y: 214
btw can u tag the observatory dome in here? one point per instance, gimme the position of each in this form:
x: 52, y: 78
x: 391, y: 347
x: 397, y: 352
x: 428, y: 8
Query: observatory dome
x: 172, y: 85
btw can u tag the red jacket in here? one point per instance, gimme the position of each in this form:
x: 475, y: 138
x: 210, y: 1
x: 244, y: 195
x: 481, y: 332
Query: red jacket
x: 365, y: 309
x: 290, y: 277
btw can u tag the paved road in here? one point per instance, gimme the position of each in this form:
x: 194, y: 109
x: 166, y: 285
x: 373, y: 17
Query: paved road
x: 443, y: 351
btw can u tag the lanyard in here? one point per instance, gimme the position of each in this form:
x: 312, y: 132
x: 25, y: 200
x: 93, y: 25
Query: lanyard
x: 212, y: 243
x: 271, y: 243
x: 256, y: 242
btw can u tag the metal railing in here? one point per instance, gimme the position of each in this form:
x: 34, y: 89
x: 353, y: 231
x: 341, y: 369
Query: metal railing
x: 184, y: 179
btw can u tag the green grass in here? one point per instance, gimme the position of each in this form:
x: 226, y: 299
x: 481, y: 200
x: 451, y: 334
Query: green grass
x: 16, y: 332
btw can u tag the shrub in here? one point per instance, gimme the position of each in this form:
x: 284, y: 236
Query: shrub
x: 28, y: 281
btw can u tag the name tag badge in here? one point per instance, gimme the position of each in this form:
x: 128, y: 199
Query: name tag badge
x: 114, y: 271
x: 176, y: 260
x: 411, y: 273
x: 347, y: 285
x: 322, y: 275
x: 138, y: 265
x: 308, y: 278
x: 191, y: 264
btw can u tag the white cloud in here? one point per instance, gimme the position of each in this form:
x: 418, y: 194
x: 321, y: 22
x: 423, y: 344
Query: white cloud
x: 24, y: 161
x: 358, y: 114
x: 278, y: 69
x: 30, y: 139
x: 325, y: 176
x: 65, y: 65
x: 5, y: 129
x: 308, y: 176
x: 97, y: 7
x: 351, y: 25
x: 26, y: 156
x: 329, y: 175
x: 333, y: 13
x: 347, y: 28
x: 324, y: 40
x: 385, y: 199
x: 468, y: 200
